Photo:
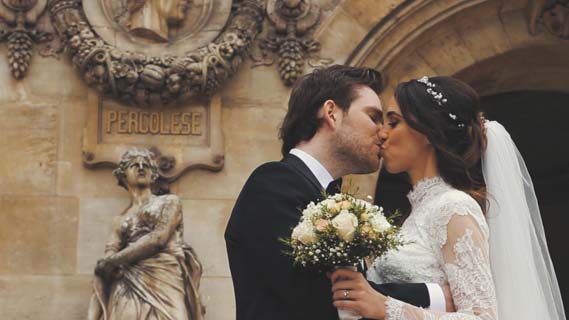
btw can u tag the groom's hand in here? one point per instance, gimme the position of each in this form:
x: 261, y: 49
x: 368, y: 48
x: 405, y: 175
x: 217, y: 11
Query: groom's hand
x: 448, y: 298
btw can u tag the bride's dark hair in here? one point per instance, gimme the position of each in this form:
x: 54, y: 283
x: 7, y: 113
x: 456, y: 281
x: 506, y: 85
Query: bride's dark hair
x: 455, y: 128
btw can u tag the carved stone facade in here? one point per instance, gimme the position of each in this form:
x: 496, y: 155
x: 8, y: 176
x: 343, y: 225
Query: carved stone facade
x: 289, y: 37
x: 20, y: 18
x: 136, y: 78
x: 56, y: 214
x: 553, y: 15
x: 185, y: 137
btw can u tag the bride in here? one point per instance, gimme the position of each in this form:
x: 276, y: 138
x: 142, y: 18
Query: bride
x: 481, y: 235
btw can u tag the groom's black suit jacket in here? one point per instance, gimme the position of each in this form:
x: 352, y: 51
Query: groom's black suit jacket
x: 267, y: 286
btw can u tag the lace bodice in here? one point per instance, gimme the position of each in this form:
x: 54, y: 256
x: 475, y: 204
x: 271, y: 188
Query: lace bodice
x: 446, y: 239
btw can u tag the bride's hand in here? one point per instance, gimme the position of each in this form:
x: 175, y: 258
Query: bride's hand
x: 351, y: 291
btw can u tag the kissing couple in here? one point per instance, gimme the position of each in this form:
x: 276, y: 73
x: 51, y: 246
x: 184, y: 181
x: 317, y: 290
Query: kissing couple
x: 474, y: 242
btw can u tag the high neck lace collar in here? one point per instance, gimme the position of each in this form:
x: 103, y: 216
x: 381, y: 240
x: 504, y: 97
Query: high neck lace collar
x: 426, y: 188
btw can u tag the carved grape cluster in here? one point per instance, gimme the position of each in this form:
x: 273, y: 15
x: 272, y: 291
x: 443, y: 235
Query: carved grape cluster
x: 291, y: 60
x: 20, y: 53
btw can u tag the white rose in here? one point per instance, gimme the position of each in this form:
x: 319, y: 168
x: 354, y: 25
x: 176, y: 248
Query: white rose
x: 345, y: 205
x: 309, y: 212
x: 379, y: 223
x: 332, y: 205
x: 304, y: 232
x: 346, y: 224
x: 364, y: 204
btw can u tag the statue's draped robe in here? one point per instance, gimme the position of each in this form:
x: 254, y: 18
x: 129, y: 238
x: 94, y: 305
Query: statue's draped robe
x: 163, y: 286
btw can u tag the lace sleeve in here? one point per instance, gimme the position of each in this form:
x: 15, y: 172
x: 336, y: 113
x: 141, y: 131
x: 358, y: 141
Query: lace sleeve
x: 465, y: 254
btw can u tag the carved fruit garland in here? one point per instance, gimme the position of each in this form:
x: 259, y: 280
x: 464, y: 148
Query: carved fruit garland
x: 142, y: 80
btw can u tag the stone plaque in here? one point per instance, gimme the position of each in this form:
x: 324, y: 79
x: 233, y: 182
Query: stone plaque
x: 188, y: 134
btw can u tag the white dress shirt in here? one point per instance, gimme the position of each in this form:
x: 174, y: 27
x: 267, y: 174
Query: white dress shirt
x: 436, y: 294
x: 317, y: 169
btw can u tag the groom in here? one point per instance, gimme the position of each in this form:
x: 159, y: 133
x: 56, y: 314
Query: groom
x: 330, y: 130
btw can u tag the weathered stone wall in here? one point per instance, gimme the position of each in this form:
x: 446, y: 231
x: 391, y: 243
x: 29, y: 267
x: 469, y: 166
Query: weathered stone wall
x: 56, y: 213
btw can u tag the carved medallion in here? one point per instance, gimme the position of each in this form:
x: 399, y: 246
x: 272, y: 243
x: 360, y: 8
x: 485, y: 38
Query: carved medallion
x: 157, y: 21
x: 156, y: 27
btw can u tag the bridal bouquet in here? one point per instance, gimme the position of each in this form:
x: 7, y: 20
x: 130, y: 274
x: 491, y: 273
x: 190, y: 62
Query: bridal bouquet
x: 340, y: 231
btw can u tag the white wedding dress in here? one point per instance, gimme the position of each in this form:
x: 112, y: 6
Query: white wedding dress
x: 447, y: 243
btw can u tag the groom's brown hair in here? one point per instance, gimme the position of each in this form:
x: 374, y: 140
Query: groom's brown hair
x: 337, y: 83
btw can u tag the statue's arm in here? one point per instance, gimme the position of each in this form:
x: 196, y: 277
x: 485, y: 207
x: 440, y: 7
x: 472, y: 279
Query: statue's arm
x: 113, y: 244
x: 150, y: 244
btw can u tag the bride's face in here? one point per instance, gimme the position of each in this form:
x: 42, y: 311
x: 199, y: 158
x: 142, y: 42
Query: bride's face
x: 403, y: 148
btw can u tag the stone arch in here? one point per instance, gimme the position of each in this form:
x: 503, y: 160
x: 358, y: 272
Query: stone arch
x: 464, y: 40
x: 469, y: 39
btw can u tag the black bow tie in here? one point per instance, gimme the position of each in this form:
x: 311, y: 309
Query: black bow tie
x: 334, y: 187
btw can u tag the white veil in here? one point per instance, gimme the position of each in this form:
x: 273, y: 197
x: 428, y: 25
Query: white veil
x: 526, y: 285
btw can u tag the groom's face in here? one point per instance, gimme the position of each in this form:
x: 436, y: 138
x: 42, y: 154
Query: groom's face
x: 357, y: 138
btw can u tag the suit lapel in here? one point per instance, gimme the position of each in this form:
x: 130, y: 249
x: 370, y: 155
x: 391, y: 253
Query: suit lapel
x: 300, y: 167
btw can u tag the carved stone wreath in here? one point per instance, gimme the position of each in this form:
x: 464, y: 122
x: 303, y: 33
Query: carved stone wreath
x: 142, y: 80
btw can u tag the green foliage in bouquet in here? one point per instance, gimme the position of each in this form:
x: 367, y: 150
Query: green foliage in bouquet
x: 340, y: 231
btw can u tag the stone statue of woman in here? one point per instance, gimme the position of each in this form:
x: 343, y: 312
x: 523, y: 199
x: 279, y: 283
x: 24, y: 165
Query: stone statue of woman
x: 152, y: 19
x: 148, y: 272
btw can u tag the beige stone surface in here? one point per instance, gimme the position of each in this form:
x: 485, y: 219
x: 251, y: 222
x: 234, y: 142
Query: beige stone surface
x: 251, y: 138
x: 446, y: 54
x: 38, y: 235
x: 404, y: 31
x: 410, y: 66
x: 28, y: 145
x: 360, y: 10
x: 243, y: 88
x: 218, y: 298
x: 511, y: 5
x: 67, y: 297
x: 516, y: 27
x: 339, y: 35
x: 484, y: 37
x: 54, y: 78
x: 72, y: 177
x: 95, y: 222
x: 9, y: 90
x: 44, y: 297
x: 204, y: 226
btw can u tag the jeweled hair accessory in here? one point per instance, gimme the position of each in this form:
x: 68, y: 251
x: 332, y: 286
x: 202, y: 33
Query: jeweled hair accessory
x: 438, y: 97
